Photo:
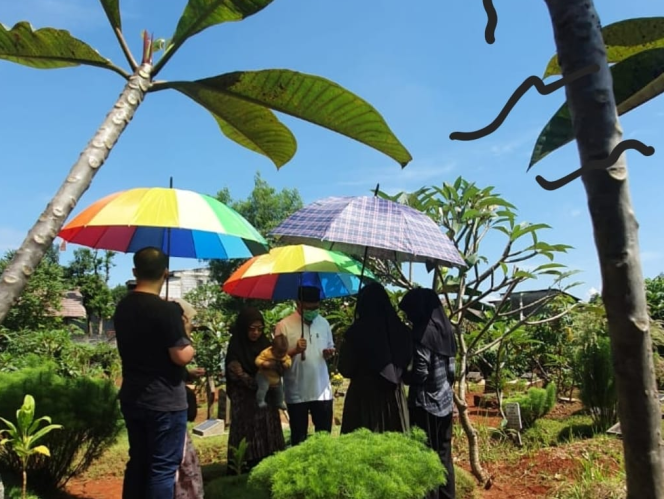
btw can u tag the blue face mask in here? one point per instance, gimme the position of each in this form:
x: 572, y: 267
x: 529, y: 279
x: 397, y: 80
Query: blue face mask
x: 310, y: 315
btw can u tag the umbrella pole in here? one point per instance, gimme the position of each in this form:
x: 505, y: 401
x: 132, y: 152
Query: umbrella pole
x: 168, y: 248
x: 302, y: 355
x: 366, y: 256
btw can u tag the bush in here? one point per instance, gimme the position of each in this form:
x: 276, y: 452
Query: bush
x: 465, y: 485
x: 358, y: 465
x: 87, y: 408
x: 69, y: 358
x: 535, y: 403
x: 597, y: 382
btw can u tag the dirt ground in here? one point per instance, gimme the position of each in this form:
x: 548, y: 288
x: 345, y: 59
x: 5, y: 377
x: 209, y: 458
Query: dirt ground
x: 533, y: 476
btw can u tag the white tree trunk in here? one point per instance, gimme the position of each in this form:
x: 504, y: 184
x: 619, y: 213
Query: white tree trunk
x: 41, y: 236
x: 597, y: 129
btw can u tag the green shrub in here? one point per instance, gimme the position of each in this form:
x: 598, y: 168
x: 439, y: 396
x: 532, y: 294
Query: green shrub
x: 69, y: 358
x: 87, y: 408
x: 553, y: 432
x: 464, y: 484
x: 535, y: 403
x: 597, y: 383
x: 358, y: 465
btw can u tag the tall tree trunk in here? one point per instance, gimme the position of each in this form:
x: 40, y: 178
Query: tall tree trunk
x: 597, y: 129
x: 41, y: 236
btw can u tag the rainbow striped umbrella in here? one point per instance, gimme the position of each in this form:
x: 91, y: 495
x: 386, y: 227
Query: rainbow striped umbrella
x: 182, y: 223
x: 277, y: 275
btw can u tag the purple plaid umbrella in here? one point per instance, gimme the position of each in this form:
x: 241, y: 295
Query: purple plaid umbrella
x: 370, y: 226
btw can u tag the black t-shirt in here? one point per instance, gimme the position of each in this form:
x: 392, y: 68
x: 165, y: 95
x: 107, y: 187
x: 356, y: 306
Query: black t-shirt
x: 146, y: 326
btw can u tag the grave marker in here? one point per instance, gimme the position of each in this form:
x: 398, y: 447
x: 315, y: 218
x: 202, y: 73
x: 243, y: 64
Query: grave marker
x: 209, y: 428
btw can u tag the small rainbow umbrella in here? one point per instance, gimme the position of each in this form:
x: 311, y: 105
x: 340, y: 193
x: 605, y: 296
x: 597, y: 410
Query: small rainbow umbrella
x: 182, y: 223
x: 277, y: 275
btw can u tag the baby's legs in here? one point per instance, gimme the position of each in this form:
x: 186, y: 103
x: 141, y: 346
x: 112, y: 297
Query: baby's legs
x: 279, y: 396
x: 263, y: 387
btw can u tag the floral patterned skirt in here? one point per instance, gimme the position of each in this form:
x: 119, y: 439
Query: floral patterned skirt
x: 189, y: 482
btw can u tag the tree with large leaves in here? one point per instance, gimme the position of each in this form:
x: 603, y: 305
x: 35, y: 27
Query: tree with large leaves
x: 242, y: 103
x: 594, y: 104
x: 635, y: 48
x: 470, y: 215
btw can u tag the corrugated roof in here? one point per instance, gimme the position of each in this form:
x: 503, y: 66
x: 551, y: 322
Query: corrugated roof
x: 72, y: 306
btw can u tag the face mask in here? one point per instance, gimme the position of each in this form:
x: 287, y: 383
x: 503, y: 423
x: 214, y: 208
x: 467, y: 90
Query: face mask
x: 310, y: 315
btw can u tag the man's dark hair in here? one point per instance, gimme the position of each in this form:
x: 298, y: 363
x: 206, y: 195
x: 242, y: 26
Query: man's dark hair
x: 150, y: 264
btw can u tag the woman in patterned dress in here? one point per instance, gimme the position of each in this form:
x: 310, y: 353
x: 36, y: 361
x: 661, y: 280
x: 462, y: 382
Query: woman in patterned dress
x: 260, y: 427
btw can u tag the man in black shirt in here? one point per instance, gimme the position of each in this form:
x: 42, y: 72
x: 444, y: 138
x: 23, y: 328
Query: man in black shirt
x: 154, y: 349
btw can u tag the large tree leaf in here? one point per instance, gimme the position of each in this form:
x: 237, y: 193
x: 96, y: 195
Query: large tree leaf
x: 201, y: 14
x: 250, y: 125
x: 313, y: 99
x: 47, y: 48
x: 624, y: 39
x: 112, y: 9
x: 635, y: 81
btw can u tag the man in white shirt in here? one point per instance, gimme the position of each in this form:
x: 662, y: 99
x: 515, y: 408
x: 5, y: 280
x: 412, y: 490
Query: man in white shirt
x: 307, y: 383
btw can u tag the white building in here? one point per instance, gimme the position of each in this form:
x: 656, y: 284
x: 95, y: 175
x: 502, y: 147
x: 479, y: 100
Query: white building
x: 182, y: 282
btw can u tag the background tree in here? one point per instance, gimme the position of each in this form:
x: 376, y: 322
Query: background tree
x: 89, y: 272
x: 593, y: 112
x: 655, y: 297
x: 41, y: 299
x: 240, y: 102
x: 471, y: 216
x: 265, y: 208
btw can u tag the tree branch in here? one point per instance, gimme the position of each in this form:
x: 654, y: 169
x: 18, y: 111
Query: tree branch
x: 125, y: 49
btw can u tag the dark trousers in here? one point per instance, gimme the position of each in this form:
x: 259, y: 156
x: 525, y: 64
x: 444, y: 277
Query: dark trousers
x: 156, y: 445
x: 321, y: 415
x: 439, y: 431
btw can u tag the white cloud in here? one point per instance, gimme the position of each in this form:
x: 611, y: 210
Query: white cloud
x: 63, y: 14
x: 412, y: 176
x: 592, y: 292
x: 515, y: 144
x: 575, y: 213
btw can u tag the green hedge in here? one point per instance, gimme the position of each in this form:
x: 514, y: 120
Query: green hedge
x: 358, y: 465
x: 87, y: 408
x: 535, y: 403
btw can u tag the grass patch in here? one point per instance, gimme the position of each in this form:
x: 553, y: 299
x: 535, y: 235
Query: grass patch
x: 553, y: 432
x: 234, y: 487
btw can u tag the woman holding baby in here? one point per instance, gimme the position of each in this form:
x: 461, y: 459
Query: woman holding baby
x: 260, y: 426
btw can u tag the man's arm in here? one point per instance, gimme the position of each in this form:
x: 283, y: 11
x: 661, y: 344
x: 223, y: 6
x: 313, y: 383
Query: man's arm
x: 300, y: 345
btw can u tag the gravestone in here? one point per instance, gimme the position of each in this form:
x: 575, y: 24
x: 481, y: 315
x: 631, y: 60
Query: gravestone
x: 513, y: 413
x: 615, y: 430
x: 209, y: 428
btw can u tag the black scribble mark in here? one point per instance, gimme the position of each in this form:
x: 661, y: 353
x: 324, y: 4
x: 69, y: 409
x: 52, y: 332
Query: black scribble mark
x: 518, y: 93
x: 610, y: 160
x: 491, y: 23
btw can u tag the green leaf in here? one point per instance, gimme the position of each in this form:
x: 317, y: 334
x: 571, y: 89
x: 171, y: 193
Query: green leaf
x: 250, y: 125
x: 636, y: 80
x: 45, y: 430
x: 201, y: 14
x: 312, y: 99
x: 42, y: 449
x: 623, y: 40
x: 112, y: 9
x: 47, y: 48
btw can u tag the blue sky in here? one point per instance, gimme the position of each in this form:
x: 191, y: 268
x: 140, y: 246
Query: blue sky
x: 426, y: 68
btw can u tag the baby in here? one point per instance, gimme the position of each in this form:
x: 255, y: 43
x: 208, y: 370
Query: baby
x: 271, y: 363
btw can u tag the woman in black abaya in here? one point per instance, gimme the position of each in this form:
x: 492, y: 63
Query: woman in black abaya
x: 431, y: 379
x: 375, y: 352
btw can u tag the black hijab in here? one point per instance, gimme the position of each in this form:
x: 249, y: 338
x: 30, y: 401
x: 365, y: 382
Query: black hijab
x: 240, y: 348
x: 382, y: 340
x: 431, y: 326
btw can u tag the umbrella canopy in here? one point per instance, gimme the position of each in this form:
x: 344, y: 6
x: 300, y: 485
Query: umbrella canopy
x: 182, y: 223
x: 277, y: 275
x: 389, y: 230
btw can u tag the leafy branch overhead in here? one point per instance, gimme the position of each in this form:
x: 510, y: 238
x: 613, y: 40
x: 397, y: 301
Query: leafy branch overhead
x: 242, y: 104
x: 635, y: 47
